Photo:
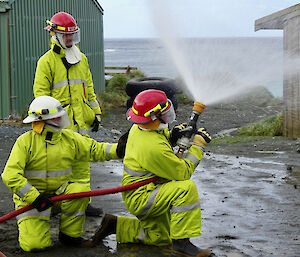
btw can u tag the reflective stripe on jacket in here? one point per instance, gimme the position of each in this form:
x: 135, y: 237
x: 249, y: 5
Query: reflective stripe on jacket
x: 72, y: 85
x: 39, y: 163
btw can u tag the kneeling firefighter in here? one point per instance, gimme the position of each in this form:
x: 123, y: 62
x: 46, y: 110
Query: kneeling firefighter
x: 40, y: 166
x: 168, y: 210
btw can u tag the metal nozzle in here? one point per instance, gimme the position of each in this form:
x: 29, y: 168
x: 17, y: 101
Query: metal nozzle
x: 198, y: 107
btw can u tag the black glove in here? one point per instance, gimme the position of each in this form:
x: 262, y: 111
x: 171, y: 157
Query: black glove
x: 177, y: 133
x: 42, y: 202
x: 122, y: 145
x: 95, y: 125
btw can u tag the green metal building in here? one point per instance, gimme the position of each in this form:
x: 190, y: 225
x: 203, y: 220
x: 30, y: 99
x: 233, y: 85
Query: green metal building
x: 23, y: 40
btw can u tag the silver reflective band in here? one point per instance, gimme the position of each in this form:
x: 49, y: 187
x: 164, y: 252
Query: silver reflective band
x: 77, y: 81
x: 70, y: 82
x: 24, y: 190
x: 34, y: 212
x: 200, y: 147
x: 185, y: 208
x: 76, y: 214
x: 47, y: 174
x: 149, y: 203
x: 107, y: 149
x: 193, y: 158
x: 94, y: 104
x: 137, y: 173
x: 142, y: 235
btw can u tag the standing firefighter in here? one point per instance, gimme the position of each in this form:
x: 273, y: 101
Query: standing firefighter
x: 168, y: 210
x: 63, y: 73
x: 40, y: 166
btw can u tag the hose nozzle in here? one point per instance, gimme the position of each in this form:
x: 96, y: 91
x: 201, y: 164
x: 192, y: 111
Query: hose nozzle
x: 184, y: 142
x: 198, y: 107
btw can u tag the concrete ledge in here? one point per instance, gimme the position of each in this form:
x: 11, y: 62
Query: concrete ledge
x: 276, y: 20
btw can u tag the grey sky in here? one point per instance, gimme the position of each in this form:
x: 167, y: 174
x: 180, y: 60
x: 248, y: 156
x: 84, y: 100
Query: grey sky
x: 192, y: 18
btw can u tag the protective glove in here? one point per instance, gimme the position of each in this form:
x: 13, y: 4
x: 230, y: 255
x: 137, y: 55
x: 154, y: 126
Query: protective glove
x: 42, y: 202
x: 201, y: 138
x: 96, y: 123
x: 177, y: 133
x: 122, y: 145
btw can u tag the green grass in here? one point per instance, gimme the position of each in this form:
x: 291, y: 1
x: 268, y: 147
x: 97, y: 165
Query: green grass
x: 234, y: 139
x: 272, y: 126
x: 269, y: 127
x: 115, y: 95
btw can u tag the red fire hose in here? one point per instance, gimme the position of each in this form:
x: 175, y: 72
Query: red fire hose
x: 80, y: 195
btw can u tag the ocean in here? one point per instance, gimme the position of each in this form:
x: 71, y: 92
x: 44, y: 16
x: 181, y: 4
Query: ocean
x: 252, y: 61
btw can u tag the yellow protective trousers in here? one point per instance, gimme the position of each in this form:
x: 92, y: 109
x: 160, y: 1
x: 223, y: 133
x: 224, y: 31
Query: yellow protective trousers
x: 34, y: 227
x: 172, y: 211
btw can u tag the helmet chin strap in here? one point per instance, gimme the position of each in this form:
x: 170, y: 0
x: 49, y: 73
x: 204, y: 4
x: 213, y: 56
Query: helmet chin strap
x: 56, y: 39
x: 160, y: 119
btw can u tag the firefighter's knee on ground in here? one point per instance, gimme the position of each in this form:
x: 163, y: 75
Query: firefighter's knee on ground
x: 156, y: 237
x: 34, y: 235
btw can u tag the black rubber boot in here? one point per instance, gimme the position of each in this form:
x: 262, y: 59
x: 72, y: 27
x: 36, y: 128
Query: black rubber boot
x: 93, y: 211
x: 108, y: 226
x: 186, y: 248
x: 74, y: 241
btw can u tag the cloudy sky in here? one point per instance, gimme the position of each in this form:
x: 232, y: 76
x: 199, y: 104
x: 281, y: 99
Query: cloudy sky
x: 190, y: 18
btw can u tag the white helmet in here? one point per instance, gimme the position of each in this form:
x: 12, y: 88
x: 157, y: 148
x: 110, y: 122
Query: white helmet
x: 46, y: 108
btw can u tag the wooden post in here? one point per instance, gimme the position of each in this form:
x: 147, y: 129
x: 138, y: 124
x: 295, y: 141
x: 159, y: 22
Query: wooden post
x: 291, y: 79
x: 288, y: 20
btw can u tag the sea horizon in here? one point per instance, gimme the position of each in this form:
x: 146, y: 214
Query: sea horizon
x: 255, y: 60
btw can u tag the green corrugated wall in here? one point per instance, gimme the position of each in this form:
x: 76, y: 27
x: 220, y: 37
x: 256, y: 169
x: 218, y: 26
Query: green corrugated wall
x: 28, y: 41
x: 4, y: 60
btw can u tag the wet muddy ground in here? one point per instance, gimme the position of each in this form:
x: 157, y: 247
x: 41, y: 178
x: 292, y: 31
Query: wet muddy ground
x: 249, y: 192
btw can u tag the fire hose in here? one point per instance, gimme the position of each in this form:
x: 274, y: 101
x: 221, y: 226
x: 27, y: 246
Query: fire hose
x: 80, y: 195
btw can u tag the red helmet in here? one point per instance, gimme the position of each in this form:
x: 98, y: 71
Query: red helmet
x: 150, y: 105
x: 62, y: 22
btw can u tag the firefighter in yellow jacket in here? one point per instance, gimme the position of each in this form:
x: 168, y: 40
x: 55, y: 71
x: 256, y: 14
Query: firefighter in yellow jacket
x: 167, y: 211
x: 63, y: 73
x: 40, y: 166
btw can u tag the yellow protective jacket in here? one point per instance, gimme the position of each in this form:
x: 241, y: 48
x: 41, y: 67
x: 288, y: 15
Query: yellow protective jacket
x: 72, y: 85
x: 42, y: 163
x: 148, y: 154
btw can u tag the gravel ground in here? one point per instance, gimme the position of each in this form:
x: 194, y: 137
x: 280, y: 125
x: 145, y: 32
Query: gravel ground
x: 249, y: 192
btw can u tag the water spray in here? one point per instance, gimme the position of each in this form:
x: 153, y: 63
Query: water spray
x: 184, y: 141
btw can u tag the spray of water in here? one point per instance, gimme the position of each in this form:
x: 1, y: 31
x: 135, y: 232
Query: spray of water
x: 211, y: 69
